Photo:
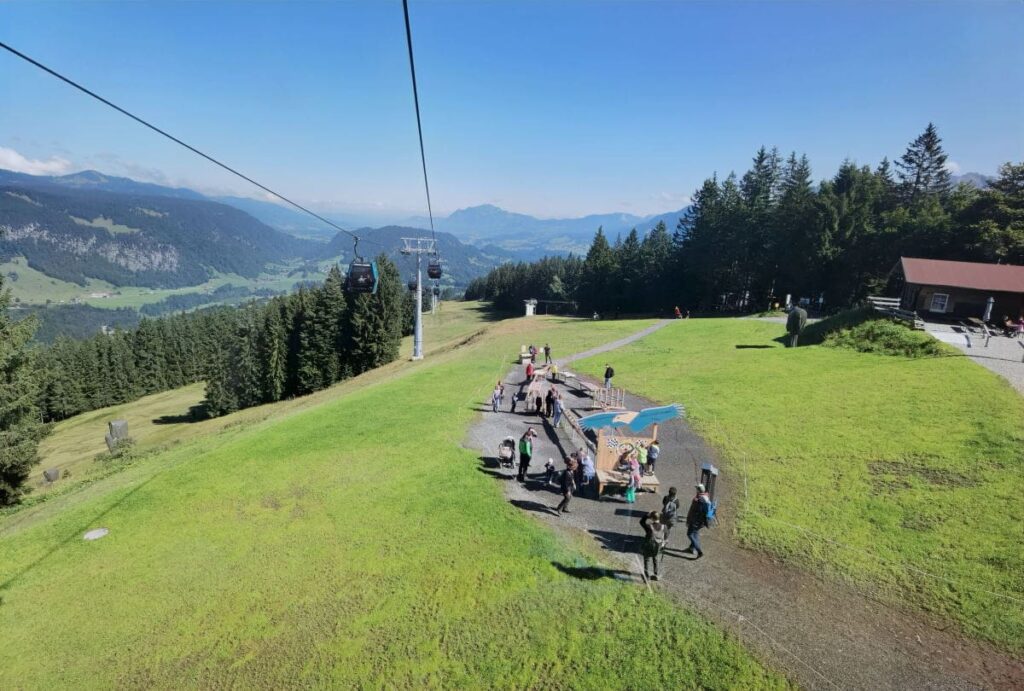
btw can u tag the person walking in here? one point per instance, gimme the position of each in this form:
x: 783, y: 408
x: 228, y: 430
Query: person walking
x: 529, y: 372
x: 515, y: 400
x: 568, y: 485
x: 653, y: 451
x: 549, y: 403
x: 795, y: 323
x: 547, y: 354
x: 670, y: 511
x: 608, y: 374
x: 653, y: 544
x: 525, y: 453
x: 678, y: 313
x: 559, y: 408
x: 697, y: 519
x: 501, y: 391
x: 539, y: 403
x: 495, y: 399
x: 641, y: 457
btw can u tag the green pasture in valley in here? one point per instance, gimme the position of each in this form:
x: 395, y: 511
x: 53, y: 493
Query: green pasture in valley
x: 347, y: 541
x: 905, y: 476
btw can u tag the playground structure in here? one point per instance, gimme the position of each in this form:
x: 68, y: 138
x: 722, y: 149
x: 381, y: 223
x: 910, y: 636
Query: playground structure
x: 617, y: 435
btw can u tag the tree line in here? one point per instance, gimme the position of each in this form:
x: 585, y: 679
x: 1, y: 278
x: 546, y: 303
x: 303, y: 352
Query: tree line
x: 748, y: 241
x: 257, y: 353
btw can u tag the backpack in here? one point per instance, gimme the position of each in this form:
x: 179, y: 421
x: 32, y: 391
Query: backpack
x: 712, y: 509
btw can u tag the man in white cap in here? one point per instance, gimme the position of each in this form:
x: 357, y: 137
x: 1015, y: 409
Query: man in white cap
x: 697, y: 518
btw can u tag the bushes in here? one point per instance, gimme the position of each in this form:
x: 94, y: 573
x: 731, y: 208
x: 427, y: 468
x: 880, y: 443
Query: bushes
x: 887, y: 337
x: 866, y: 331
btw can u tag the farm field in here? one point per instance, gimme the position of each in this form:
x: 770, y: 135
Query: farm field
x: 341, y: 539
x: 903, y: 476
x: 35, y: 288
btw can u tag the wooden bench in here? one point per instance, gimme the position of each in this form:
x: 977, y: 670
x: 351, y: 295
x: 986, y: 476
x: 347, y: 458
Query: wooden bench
x: 614, y: 478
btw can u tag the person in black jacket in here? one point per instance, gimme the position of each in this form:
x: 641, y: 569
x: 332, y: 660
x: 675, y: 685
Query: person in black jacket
x: 653, y: 544
x: 608, y: 374
x: 696, y: 519
x: 568, y: 485
x: 670, y: 511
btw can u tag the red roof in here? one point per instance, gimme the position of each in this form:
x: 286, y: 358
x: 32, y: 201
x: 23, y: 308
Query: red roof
x: 1003, y: 278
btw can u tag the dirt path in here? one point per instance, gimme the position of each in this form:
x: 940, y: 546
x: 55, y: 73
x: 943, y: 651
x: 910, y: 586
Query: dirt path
x: 822, y: 634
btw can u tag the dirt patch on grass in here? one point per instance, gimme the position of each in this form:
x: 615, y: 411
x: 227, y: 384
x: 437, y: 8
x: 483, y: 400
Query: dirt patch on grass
x: 897, y: 474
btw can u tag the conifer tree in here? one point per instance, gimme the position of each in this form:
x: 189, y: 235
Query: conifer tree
x: 273, y: 353
x: 149, y: 357
x: 922, y: 168
x: 374, y: 331
x: 598, y: 275
x: 20, y: 426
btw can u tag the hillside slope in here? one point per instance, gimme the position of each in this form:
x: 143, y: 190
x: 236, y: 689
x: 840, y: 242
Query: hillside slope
x: 130, y: 239
x: 350, y: 543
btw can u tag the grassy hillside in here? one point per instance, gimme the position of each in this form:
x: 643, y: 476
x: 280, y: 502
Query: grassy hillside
x: 34, y: 287
x: 343, y: 540
x: 905, y: 476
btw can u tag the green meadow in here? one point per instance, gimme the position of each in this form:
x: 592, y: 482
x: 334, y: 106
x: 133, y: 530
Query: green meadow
x: 342, y: 540
x: 902, y: 476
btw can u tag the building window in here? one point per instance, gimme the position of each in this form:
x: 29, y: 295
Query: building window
x: 939, y: 302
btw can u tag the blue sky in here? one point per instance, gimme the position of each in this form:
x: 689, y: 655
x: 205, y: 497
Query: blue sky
x: 549, y: 108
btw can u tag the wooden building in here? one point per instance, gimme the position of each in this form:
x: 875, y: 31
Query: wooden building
x: 941, y: 288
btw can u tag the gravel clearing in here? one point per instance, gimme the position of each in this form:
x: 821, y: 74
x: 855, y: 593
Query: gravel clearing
x: 821, y: 633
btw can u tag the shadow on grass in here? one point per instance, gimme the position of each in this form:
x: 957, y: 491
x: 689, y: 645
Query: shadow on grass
x: 196, y: 413
x: 593, y: 573
x: 755, y: 347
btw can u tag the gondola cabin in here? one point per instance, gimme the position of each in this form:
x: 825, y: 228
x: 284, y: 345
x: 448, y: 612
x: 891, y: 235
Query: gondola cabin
x: 362, y: 277
x: 412, y: 286
x: 434, y: 269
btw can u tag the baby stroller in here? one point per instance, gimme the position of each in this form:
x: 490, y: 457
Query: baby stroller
x: 507, y: 452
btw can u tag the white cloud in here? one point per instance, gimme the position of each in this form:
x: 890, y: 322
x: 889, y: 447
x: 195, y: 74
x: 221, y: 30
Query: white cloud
x: 679, y: 198
x: 12, y: 160
x: 953, y: 167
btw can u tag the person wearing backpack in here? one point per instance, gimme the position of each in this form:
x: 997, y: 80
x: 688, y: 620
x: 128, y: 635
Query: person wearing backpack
x: 653, y: 544
x: 608, y: 374
x: 670, y: 511
x: 696, y: 519
x: 525, y: 453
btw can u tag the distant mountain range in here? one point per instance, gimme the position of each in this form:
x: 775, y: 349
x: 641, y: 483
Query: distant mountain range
x: 977, y: 179
x: 129, y: 233
x: 530, y: 236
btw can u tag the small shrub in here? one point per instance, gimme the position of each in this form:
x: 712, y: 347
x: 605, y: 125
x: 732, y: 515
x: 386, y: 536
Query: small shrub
x: 886, y: 338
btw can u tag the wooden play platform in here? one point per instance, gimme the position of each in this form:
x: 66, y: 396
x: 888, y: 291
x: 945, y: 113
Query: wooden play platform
x: 611, y: 449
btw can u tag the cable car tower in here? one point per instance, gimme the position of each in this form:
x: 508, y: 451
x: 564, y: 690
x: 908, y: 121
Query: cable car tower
x: 419, y: 247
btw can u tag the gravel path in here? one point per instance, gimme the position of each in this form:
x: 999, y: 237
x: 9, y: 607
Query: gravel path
x: 822, y: 634
x: 1002, y: 355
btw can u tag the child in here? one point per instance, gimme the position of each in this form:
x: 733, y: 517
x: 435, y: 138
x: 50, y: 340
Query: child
x: 549, y: 471
x: 641, y: 452
x: 634, y: 479
x: 652, y: 456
